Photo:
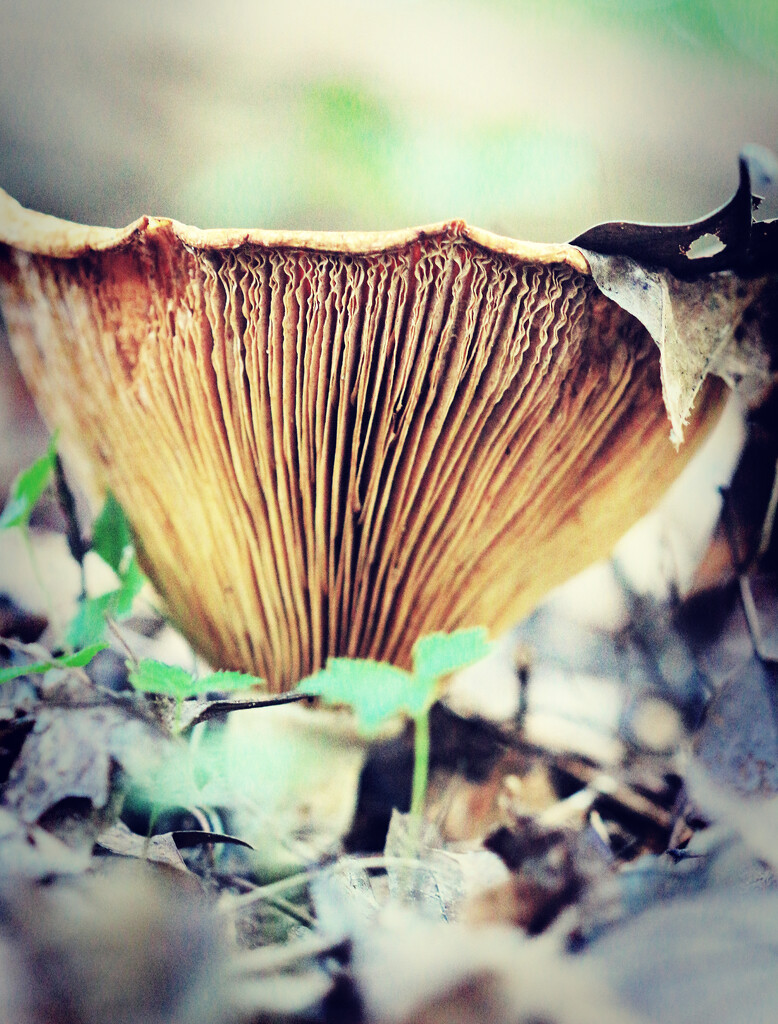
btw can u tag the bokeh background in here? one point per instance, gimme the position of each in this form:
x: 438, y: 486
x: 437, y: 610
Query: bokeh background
x: 533, y: 118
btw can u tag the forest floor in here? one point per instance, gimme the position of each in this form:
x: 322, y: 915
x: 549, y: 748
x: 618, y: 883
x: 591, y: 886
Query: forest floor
x: 598, y: 842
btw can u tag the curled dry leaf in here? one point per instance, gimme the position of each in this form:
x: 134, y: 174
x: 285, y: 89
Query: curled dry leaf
x: 159, y: 849
x: 740, y: 236
x: 704, y: 291
x: 702, y: 327
x: 331, y: 444
x: 71, y: 753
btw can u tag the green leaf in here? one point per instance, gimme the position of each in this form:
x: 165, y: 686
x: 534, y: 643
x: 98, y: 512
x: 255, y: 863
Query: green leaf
x: 111, y: 534
x: 88, y: 624
x: 227, y: 681
x: 27, y: 489
x: 14, y: 671
x: 132, y: 581
x: 439, y: 654
x: 82, y: 657
x: 77, y: 660
x: 112, y: 541
x: 155, y: 677
x: 375, y: 691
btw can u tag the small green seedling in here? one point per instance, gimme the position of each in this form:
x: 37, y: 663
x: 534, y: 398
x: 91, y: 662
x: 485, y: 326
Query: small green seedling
x: 27, y: 490
x: 150, y: 676
x: 111, y: 541
x: 77, y: 660
x: 377, y: 692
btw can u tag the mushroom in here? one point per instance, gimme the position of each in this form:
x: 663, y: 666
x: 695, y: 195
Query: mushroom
x: 333, y: 443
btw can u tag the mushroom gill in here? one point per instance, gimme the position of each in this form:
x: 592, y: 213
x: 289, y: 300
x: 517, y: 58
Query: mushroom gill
x: 334, y: 443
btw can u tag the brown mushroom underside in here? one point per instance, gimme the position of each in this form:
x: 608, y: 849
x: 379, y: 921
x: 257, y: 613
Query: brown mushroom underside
x: 334, y: 444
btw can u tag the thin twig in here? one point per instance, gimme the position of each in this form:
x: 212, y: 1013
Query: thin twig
x: 230, y: 904
x: 114, y: 628
x: 296, y: 913
x: 752, y: 615
x: 727, y: 516
x: 769, y: 518
x: 746, y: 596
x: 275, y: 958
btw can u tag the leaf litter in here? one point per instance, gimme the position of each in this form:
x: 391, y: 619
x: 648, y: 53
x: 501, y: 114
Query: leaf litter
x: 629, y: 879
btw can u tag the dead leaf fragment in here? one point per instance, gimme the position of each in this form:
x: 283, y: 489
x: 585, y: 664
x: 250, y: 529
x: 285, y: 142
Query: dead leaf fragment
x: 70, y: 753
x: 738, y: 742
x: 734, y: 775
x: 30, y: 852
x: 407, y: 971
x: 705, y: 291
x: 734, y: 237
x: 698, y: 326
x: 709, y: 959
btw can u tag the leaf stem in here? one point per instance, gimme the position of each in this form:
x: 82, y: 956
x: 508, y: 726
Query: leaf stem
x: 421, y: 762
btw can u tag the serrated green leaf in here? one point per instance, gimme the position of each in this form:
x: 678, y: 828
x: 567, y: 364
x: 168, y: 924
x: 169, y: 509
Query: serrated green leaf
x: 439, y: 654
x: 111, y: 533
x: 77, y: 660
x: 28, y: 488
x: 374, y: 690
x: 227, y: 681
x: 156, y: 677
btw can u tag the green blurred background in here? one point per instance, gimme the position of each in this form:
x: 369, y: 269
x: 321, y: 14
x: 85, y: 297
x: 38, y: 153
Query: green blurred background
x: 534, y: 118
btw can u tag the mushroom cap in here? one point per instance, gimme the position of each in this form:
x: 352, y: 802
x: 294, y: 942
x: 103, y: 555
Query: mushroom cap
x: 333, y: 443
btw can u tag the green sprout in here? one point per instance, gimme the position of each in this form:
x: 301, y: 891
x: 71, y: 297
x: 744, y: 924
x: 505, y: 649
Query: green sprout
x: 27, y: 490
x: 111, y: 540
x: 150, y: 676
x: 77, y: 660
x: 377, y: 692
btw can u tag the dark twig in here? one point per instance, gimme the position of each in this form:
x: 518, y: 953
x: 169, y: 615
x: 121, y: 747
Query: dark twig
x: 67, y: 502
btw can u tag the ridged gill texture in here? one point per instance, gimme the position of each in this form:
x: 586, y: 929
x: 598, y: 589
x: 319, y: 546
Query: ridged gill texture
x: 334, y: 452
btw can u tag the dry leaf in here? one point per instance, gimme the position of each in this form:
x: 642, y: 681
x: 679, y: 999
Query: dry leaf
x: 698, y: 326
x: 706, y: 291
